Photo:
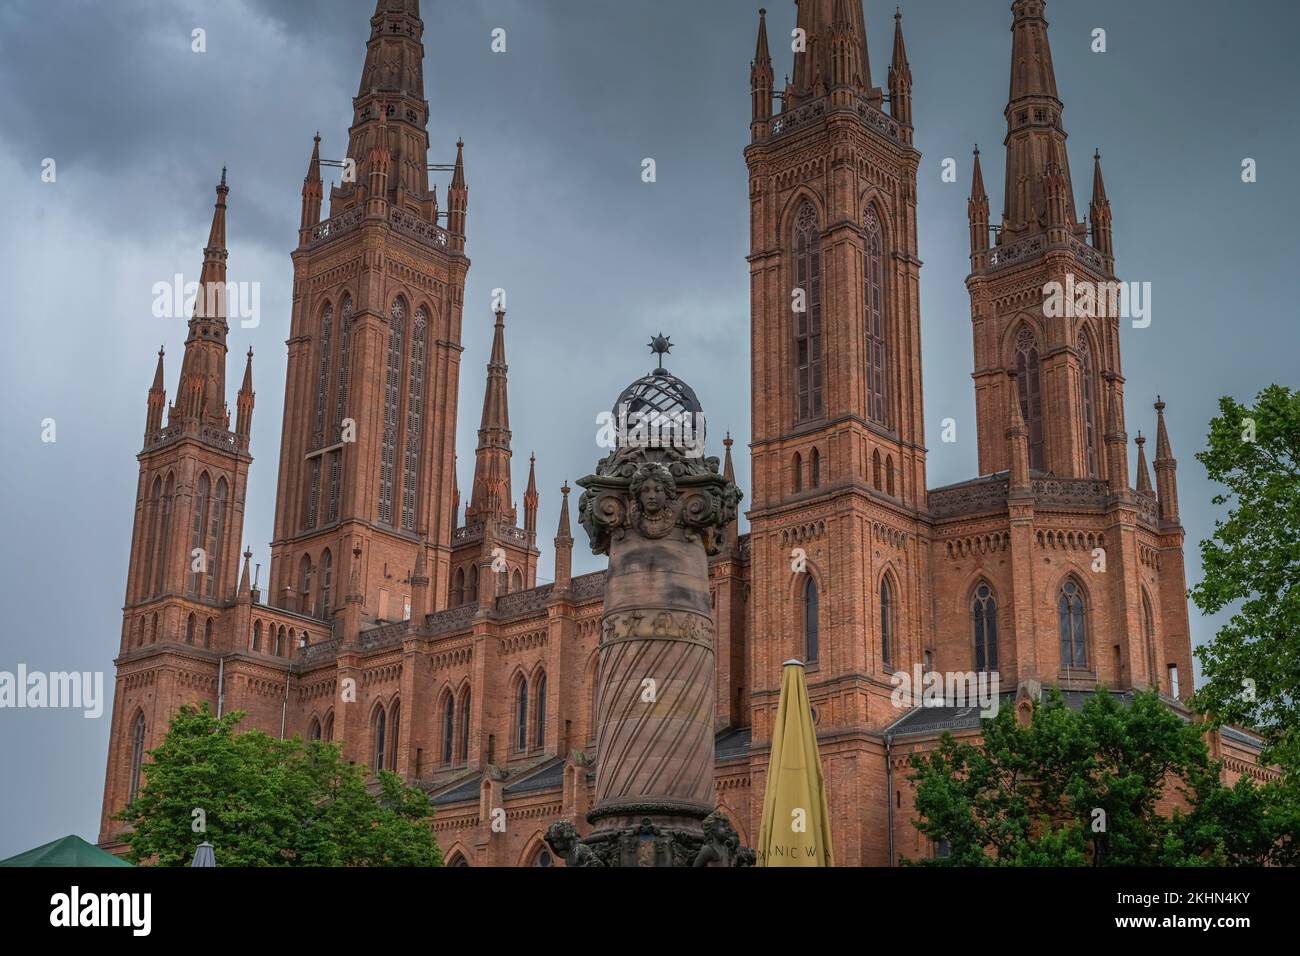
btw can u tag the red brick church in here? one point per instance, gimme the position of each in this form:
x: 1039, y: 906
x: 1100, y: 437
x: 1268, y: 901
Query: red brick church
x: 414, y: 632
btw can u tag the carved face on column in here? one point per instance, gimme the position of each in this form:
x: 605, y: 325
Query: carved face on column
x: 654, y: 493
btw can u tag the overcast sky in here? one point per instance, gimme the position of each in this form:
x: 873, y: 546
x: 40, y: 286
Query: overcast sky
x: 594, y: 260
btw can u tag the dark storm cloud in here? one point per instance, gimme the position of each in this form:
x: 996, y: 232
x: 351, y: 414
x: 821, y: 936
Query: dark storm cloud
x: 593, y: 259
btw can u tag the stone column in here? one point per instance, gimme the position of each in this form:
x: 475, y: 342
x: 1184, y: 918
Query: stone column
x: 658, y: 513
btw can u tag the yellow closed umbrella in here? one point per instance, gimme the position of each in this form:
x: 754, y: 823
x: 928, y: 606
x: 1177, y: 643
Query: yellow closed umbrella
x: 796, y: 826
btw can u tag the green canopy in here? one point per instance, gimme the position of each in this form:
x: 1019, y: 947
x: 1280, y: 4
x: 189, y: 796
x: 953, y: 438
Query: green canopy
x: 69, y: 851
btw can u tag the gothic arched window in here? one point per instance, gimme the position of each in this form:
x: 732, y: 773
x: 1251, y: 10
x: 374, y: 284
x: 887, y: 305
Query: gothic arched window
x: 889, y: 475
x: 521, y: 715
x: 198, y: 536
x: 471, y: 585
x: 137, y: 756
x: 207, y: 634
x: 153, y: 630
x: 392, y: 410
x: 381, y: 737
x: 875, y: 470
x: 516, y: 581
x: 1072, y: 625
x: 164, y: 535
x: 815, y: 468
x: 189, y: 629
x: 886, y: 621
x: 873, y: 298
x: 984, y: 619
x: 1029, y: 385
x: 1089, y: 385
x: 811, y: 623
x: 808, y: 320
x: 155, y: 532
x: 304, y: 581
x: 414, y: 417
x: 215, y: 534
x: 314, y: 732
x: 257, y: 636
x: 465, y: 711
x: 328, y: 732
x: 539, y: 717
x: 340, y: 400
x: 322, y: 375
x: 279, y: 642
x: 326, y: 583
x: 1149, y: 636
x: 394, y: 727
x: 458, y: 588
x: 797, y: 466
x: 448, y: 729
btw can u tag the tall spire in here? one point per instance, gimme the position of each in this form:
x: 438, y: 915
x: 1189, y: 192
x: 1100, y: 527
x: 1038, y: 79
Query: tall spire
x: 900, y: 76
x: 530, y: 497
x: 203, y: 368
x: 1166, y: 468
x: 1144, y: 476
x: 312, y: 188
x: 815, y: 66
x: 563, y: 542
x: 157, y: 399
x: 457, y: 199
x: 977, y: 210
x: 731, y: 533
x: 244, y: 403
x: 391, y: 92
x: 1099, y: 211
x: 1017, y: 436
x: 1035, y: 137
x: 490, y: 495
x: 760, y: 76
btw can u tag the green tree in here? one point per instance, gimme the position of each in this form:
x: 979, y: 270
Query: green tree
x: 1088, y: 787
x: 1251, y: 668
x: 267, y: 802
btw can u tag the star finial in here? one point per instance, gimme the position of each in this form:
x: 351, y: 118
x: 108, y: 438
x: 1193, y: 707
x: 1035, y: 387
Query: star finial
x: 661, y: 345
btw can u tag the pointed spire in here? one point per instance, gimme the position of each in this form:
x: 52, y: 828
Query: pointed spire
x: 244, y: 403
x: 1034, y: 130
x: 1143, y: 476
x: 203, y: 368
x: 391, y: 92
x: 815, y: 65
x: 563, y: 543
x: 1032, y: 74
x: 157, y: 400
x: 1099, y: 213
x: 530, y: 497
x: 1163, y: 451
x: 1166, y: 468
x: 760, y: 79
x: 312, y: 189
x: 490, y: 494
x: 977, y: 211
x: 563, y: 530
x: 1017, y: 435
x: 245, y: 587
x: 458, y: 199
x: 728, y: 471
x: 900, y: 76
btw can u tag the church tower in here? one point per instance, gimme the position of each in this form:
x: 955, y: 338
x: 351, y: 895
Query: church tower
x: 837, y: 514
x: 368, y: 441
x: 492, y: 555
x: 1065, y: 353
x: 182, y: 575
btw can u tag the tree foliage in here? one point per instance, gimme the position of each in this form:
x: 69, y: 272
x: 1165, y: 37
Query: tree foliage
x: 268, y: 802
x: 1111, y: 784
x: 1251, y: 668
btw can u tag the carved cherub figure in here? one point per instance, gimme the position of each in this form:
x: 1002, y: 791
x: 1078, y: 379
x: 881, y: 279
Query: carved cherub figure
x: 562, y: 838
